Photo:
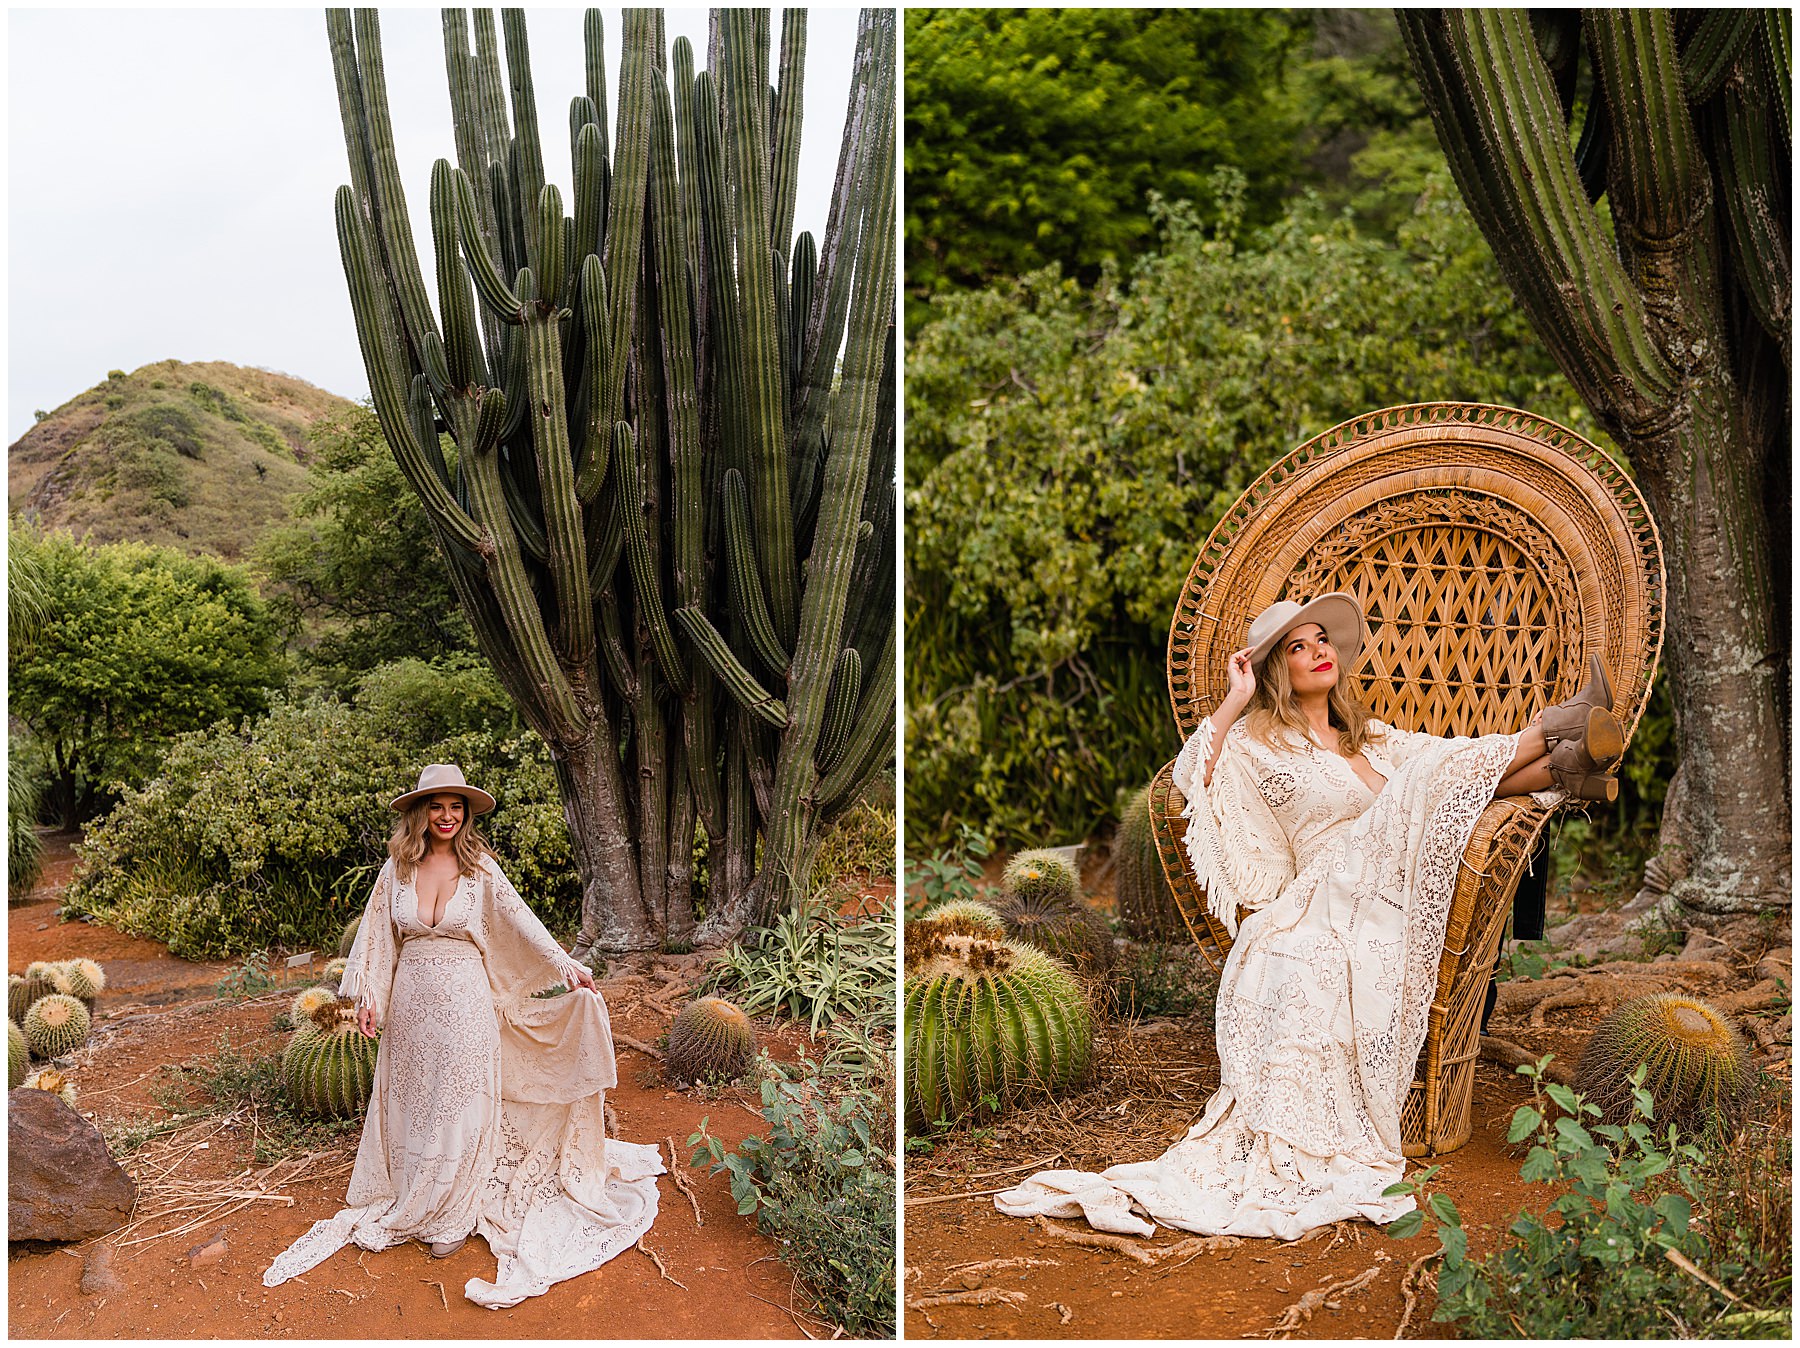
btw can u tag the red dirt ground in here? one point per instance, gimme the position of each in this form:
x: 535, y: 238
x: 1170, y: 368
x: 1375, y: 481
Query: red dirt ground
x: 158, y: 1010
x: 1083, y: 1293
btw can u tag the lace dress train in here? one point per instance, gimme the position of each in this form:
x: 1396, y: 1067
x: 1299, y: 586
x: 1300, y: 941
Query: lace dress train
x: 1324, y: 999
x: 487, y: 1115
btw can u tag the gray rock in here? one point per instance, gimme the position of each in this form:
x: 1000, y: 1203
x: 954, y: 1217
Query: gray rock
x: 61, y: 1183
x: 97, y: 1276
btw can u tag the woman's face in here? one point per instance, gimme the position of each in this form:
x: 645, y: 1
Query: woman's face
x: 1312, y: 661
x: 444, y: 816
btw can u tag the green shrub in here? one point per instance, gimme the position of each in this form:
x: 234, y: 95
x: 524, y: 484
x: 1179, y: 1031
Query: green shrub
x: 24, y: 849
x: 950, y: 875
x: 271, y: 836
x: 141, y: 644
x: 1631, y: 1207
x: 823, y: 1186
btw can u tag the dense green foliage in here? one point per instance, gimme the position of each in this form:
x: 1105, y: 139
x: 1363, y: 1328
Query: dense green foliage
x: 1035, y: 135
x: 272, y: 835
x: 1068, y: 449
x: 822, y: 1183
x: 1632, y: 1205
x: 356, y: 568
x: 1039, y: 136
x: 141, y: 644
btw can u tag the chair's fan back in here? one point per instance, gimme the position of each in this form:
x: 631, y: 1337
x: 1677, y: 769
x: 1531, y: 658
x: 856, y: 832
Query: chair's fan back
x: 1491, y: 550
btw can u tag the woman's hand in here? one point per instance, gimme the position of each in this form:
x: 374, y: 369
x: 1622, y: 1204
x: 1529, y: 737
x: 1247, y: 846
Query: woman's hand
x: 365, y: 1021
x: 1241, y: 680
x: 584, y: 979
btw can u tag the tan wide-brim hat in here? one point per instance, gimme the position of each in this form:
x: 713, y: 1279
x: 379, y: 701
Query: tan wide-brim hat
x: 444, y: 779
x: 1338, y: 613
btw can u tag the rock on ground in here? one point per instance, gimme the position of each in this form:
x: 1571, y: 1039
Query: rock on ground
x: 62, y: 1183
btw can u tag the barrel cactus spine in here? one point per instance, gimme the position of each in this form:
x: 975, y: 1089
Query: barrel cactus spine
x: 679, y: 577
x: 309, y: 1003
x: 56, y: 1025
x: 18, y: 1055
x: 35, y: 983
x: 710, y: 1040
x: 986, y: 1023
x: 1146, y: 904
x: 84, y: 979
x: 1697, y: 1068
x: 333, y: 972
x: 1069, y: 930
x: 1041, y: 876
x: 971, y: 916
x: 328, y: 1067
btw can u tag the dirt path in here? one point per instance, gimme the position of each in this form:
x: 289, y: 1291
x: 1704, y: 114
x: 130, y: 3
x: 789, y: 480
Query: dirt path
x: 158, y: 1010
x: 1076, y: 1292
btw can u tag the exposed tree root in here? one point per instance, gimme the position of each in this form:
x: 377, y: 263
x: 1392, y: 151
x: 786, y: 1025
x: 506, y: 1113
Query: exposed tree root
x: 1509, y: 1054
x: 1410, y: 1284
x: 995, y: 1265
x: 684, y: 1182
x: 661, y: 1268
x: 1605, y: 986
x: 982, y: 1296
x: 1147, y: 1255
x: 1322, y: 1298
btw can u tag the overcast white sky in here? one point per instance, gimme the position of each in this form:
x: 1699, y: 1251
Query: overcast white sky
x: 170, y: 177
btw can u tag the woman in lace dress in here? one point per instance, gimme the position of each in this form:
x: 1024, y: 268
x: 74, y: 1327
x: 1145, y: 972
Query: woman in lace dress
x: 487, y: 1115
x: 1342, y: 837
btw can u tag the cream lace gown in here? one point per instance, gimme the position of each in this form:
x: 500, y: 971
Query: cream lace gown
x: 487, y: 1115
x: 1323, y: 1001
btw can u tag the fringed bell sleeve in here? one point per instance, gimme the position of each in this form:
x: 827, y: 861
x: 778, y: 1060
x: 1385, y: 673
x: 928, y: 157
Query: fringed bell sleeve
x: 553, y: 1050
x: 369, y: 968
x: 1237, y: 848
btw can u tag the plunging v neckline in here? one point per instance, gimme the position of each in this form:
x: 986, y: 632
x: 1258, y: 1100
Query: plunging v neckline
x: 419, y: 900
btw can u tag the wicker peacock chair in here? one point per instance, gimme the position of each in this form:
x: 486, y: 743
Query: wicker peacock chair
x: 1491, y: 551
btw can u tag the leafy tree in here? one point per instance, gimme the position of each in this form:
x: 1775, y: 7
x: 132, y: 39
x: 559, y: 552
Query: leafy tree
x: 1067, y: 450
x: 1036, y: 135
x: 1668, y: 311
x: 355, y: 570
x: 141, y: 643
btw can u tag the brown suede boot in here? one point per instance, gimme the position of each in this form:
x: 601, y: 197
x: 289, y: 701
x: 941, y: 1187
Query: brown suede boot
x: 1587, y: 722
x: 1571, y: 769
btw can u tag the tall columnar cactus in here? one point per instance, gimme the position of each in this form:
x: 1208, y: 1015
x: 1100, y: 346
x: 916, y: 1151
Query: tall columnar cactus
x: 56, y: 1025
x: 1697, y: 1068
x: 328, y: 1066
x: 1145, y: 902
x: 1670, y: 314
x: 348, y: 939
x: 987, y: 1018
x: 670, y: 519
x: 710, y: 1040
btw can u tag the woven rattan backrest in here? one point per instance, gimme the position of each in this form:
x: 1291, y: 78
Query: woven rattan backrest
x: 1491, y: 550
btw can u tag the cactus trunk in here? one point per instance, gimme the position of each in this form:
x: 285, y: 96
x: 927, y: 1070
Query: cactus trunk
x: 666, y: 560
x: 1674, y: 327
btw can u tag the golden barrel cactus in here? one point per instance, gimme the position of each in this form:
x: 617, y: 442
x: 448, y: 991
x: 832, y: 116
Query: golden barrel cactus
x: 1696, y: 1066
x: 710, y: 1040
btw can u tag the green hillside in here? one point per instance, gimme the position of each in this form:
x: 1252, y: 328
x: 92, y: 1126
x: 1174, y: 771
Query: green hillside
x: 202, y: 457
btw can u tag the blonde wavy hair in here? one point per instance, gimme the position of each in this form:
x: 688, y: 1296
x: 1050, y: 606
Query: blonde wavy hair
x: 1273, y: 717
x: 407, y: 844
